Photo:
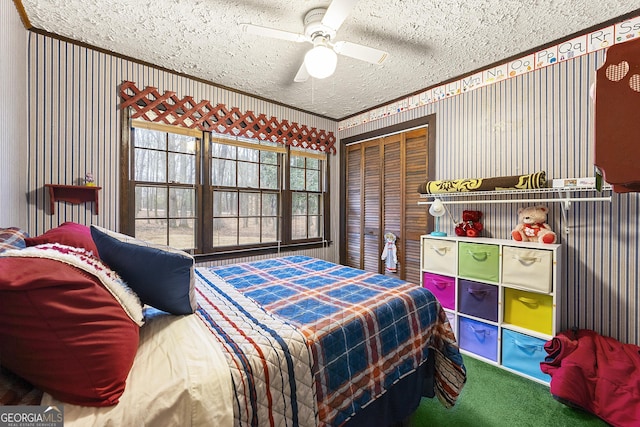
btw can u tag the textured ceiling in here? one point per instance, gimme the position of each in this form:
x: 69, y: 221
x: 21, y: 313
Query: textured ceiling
x: 428, y: 42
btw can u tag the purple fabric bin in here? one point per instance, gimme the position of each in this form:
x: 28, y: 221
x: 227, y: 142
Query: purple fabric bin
x: 478, y: 299
x: 478, y: 338
x: 442, y: 287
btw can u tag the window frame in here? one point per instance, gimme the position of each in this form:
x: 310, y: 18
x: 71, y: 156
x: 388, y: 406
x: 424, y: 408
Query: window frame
x: 322, y: 192
x: 205, y: 250
x: 210, y: 188
x: 128, y: 214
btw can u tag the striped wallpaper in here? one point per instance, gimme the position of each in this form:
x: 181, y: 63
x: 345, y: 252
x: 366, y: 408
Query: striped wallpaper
x: 13, y: 123
x: 74, y: 127
x: 543, y: 121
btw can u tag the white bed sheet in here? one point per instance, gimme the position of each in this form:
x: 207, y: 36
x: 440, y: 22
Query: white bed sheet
x: 179, y: 377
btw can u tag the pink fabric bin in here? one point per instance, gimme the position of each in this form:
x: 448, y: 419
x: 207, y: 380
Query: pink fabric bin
x: 443, y: 287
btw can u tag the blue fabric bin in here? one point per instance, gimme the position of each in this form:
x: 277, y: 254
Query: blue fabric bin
x: 524, y: 353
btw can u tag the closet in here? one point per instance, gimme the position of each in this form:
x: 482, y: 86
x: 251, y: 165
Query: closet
x: 381, y: 177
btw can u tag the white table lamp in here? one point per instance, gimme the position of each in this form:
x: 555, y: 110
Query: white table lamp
x: 437, y: 210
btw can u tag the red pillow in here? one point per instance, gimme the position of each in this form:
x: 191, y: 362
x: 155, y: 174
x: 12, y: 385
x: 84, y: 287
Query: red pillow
x: 61, y: 330
x: 68, y: 233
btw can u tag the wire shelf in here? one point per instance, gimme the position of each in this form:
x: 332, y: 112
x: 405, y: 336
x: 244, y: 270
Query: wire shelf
x: 564, y: 195
x: 547, y: 190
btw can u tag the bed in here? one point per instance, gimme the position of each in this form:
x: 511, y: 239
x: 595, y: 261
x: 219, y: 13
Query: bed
x: 281, y: 342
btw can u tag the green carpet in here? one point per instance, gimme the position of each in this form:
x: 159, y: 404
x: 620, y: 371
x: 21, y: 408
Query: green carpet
x: 493, y: 397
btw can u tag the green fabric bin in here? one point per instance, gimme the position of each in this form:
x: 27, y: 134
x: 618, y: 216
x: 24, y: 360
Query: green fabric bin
x: 479, y: 261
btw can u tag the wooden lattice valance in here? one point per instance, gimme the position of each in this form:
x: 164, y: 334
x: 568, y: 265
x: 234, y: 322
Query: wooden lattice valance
x: 166, y: 108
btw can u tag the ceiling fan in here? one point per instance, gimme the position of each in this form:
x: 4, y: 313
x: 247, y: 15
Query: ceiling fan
x: 320, y: 27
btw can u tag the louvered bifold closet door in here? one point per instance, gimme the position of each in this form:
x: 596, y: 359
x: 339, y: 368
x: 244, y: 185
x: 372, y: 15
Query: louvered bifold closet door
x: 372, y: 245
x: 415, y: 216
x: 363, y: 206
x: 354, y: 206
x: 392, y: 194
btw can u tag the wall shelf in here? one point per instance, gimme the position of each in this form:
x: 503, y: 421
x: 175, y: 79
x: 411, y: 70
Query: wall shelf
x: 564, y: 195
x: 75, y: 194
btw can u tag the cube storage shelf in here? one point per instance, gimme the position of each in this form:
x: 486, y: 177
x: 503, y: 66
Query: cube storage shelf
x: 501, y: 297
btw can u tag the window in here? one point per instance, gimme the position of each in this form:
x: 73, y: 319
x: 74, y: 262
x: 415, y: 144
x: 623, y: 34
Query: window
x: 306, y: 184
x: 165, y: 170
x: 221, y: 195
x: 246, y: 182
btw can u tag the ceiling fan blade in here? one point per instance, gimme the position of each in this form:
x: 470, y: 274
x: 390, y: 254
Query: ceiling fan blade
x: 273, y: 33
x: 302, y: 75
x: 337, y: 12
x: 358, y: 51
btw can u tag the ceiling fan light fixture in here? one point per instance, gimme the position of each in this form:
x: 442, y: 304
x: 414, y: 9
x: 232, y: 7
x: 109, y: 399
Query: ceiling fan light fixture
x: 321, y: 61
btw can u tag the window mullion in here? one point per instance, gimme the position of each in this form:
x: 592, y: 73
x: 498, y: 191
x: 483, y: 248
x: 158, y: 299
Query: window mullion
x: 168, y: 197
x: 239, y: 215
x: 205, y: 196
x: 285, y: 226
x: 308, y: 213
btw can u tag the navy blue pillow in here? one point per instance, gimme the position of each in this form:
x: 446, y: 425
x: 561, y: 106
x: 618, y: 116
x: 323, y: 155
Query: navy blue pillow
x: 162, y: 277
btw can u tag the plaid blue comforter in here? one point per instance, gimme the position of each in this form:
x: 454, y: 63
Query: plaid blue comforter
x: 365, y: 331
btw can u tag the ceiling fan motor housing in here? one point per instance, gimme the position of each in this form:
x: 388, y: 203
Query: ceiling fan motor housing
x: 313, y: 26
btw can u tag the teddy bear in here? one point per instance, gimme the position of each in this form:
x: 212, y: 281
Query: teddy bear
x: 532, y: 226
x: 470, y: 225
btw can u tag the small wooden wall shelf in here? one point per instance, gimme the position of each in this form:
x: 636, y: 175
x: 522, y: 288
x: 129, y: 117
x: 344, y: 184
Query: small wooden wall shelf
x: 75, y: 194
